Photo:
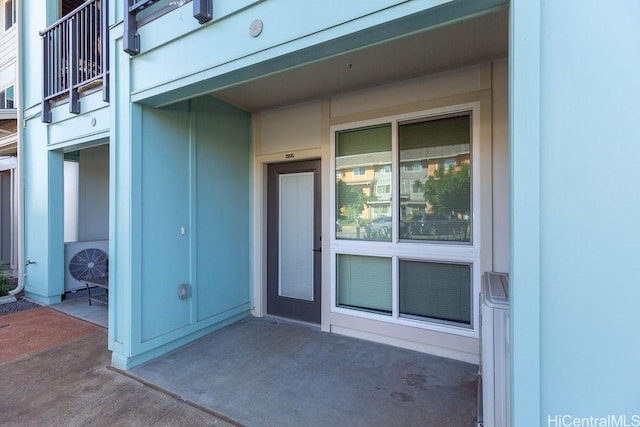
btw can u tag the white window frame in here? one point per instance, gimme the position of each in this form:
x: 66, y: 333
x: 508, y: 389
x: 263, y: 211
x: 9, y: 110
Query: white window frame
x: 397, y: 249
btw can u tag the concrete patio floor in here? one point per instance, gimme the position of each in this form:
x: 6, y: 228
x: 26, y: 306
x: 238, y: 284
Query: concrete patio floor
x: 273, y: 372
x: 76, y: 304
x: 257, y: 372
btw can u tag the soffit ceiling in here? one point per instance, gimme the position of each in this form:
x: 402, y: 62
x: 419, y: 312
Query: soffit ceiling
x: 455, y: 45
x: 8, y: 148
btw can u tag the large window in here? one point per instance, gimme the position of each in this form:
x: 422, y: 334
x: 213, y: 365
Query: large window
x: 440, y: 193
x: 443, y: 191
x: 406, y: 249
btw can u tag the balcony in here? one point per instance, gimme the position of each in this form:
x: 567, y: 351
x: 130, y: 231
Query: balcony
x: 76, y: 56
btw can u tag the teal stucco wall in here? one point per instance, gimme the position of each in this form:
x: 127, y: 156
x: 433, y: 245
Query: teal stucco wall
x: 575, y: 270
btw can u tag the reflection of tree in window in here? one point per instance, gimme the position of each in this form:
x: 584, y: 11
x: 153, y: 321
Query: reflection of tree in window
x: 449, y: 190
x: 443, y: 144
x: 351, y: 201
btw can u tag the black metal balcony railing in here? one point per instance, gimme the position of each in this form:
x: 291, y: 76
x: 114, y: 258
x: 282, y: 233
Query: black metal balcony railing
x: 202, y: 11
x: 76, y: 56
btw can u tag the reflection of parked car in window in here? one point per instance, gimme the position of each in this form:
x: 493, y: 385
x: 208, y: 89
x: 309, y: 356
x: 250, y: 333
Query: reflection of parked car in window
x: 437, y: 225
x: 381, y: 228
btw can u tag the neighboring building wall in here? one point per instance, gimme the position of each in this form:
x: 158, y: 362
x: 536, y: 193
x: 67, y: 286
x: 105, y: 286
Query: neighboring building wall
x: 8, y: 50
x: 8, y: 138
x: 6, y: 185
x: 9, y: 215
x: 574, y: 90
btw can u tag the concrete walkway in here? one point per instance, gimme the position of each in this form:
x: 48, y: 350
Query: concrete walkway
x: 69, y: 385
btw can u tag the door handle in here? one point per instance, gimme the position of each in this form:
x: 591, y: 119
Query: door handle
x: 317, y: 250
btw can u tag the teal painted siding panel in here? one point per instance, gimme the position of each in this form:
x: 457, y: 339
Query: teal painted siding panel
x: 165, y: 187
x: 70, y: 129
x: 195, y: 173
x: 222, y: 206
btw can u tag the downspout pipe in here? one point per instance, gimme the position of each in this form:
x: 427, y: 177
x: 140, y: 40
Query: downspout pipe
x: 19, y: 97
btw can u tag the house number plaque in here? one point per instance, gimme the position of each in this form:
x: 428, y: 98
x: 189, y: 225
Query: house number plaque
x: 289, y: 156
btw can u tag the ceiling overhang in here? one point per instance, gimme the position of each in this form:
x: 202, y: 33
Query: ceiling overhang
x: 465, y: 42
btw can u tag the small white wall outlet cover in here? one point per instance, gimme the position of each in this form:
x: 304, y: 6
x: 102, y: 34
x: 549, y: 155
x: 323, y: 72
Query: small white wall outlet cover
x: 255, y: 29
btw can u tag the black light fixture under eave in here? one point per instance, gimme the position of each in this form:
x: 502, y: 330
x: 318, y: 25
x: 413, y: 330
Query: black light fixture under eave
x: 203, y: 10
